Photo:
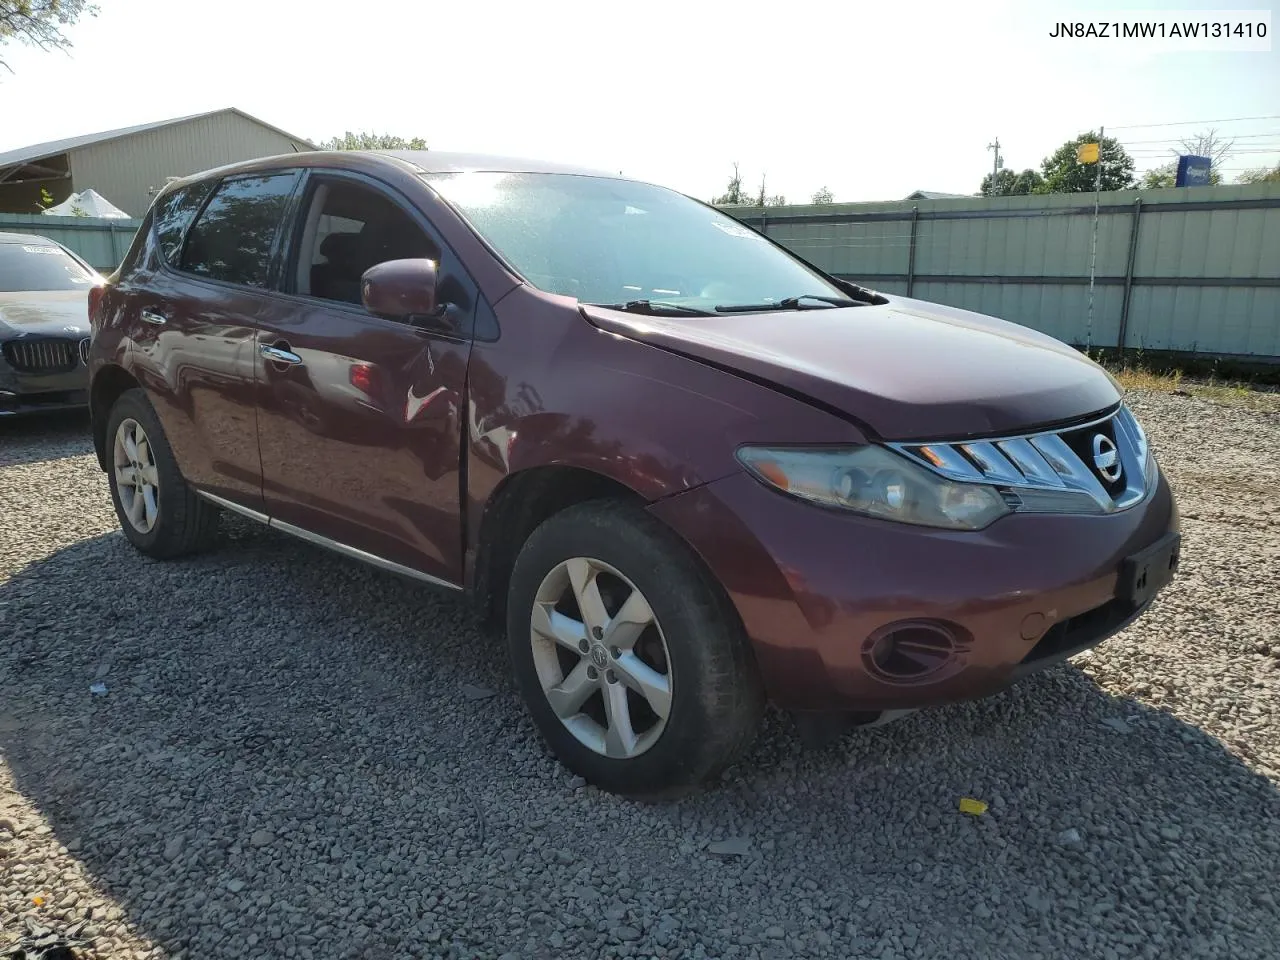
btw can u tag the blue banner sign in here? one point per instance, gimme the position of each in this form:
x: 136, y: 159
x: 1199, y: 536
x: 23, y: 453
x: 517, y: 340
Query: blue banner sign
x: 1193, y: 171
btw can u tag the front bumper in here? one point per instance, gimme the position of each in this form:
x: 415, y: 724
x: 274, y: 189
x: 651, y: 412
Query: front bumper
x: 815, y: 587
x: 24, y: 393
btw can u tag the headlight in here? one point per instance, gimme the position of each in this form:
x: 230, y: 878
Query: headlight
x: 875, y: 482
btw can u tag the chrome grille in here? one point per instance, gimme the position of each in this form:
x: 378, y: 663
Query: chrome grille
x: 1054, y: 471
x: 42, y: 356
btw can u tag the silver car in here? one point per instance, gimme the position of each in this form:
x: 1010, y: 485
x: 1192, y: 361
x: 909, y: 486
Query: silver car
x: 44, y: 325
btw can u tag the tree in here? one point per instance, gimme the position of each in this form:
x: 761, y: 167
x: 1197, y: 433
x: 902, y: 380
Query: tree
x: 1160, y: 178
x: 1209, y: 144
x: 40, y: 22
x: 1010, y: 184
x: 821, y: 196
x: 766, y: 200
x: 733, y: 196
x: 371, y: 141
x: 1063, y: 173
x: 1260, y: 175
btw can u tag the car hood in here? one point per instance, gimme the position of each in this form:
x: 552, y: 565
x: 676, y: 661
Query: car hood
x: 44, y: 312
x: 907, y: 370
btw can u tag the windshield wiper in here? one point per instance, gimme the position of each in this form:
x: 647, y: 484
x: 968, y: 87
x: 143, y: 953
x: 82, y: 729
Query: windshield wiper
x: 654, y: 307
x: 789, y: 303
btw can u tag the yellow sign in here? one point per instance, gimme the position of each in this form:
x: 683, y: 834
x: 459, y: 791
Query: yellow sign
x: 1087, y: 153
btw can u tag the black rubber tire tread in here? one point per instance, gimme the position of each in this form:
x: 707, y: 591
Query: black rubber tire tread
x: 718, y: 696
x: 185, y: 523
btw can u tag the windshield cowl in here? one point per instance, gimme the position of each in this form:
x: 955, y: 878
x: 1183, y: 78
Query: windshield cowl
x: 807, y: 301
x: 654, y: 308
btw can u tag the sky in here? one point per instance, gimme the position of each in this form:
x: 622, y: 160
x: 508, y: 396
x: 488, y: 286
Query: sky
x: 872, y: 100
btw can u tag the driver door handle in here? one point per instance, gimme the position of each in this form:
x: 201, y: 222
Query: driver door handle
x: 279, y: 355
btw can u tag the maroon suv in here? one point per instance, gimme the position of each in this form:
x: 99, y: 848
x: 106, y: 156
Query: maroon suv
x: 689, y: 471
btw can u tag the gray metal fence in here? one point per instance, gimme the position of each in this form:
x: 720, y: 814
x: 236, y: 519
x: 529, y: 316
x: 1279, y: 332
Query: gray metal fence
x: 103, y: 243
x: 1194, y: 270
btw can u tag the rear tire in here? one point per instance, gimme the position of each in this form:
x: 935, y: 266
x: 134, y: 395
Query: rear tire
x: 645, y: 687
x: 159, y: 513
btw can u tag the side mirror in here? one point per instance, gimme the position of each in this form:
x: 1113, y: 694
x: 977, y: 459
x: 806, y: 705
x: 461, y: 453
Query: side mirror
x: 401, y: 290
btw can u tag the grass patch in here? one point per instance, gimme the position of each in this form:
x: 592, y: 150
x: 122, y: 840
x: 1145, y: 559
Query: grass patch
x: 1175, y: 381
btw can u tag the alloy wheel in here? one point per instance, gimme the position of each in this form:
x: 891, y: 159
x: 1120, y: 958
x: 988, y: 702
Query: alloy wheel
x: 137, y: 480
x: 601, y: 658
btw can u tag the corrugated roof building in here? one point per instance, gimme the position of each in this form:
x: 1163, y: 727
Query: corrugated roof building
x: 937, y: 195
x: 130, y: 165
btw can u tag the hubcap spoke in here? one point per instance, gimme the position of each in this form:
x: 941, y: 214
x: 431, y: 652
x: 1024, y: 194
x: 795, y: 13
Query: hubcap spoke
x: 149, y: 503
x: 587, y: 592
x: 630, y: 621
x: 568, y: 696
x: 566, y: 631
x: 646, y: 681
x: 125, y: 476
x: 130, y: 448
x: 136, y: 508
x: 150, y: 475
x: 620, y: 739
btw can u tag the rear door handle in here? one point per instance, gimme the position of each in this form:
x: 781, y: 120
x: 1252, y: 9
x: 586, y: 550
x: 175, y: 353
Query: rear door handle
x: 279, y: 355
x: 150, y: 316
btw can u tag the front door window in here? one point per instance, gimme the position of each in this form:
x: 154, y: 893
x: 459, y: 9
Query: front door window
x: 349, y: 229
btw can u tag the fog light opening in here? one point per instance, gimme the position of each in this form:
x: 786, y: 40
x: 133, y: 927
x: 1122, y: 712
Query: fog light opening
x: 909, y: 651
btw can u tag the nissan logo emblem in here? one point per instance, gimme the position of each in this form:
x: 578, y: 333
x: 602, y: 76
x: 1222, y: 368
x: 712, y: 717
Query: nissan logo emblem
x: 1106, y: 459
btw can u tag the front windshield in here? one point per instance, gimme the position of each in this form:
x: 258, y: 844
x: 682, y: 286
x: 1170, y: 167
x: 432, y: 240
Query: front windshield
x: 39, y: 266
x: 614, y: 241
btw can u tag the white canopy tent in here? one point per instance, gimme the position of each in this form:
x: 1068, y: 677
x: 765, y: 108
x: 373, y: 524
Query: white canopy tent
x: 90, y: 203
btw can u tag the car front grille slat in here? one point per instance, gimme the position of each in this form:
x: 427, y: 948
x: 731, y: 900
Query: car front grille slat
x: 951, y: 460
x: 1052, y: 471
x: 993, y: 464
x: 1030, y: 461
x: 42, y: 356
x: 1067, y: 464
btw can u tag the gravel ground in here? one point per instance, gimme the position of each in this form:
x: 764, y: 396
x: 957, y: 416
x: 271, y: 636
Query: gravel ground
x: 298, y: 757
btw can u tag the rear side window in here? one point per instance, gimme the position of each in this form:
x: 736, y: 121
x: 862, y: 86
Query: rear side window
x: 172, y: 215
x: 234, y: 238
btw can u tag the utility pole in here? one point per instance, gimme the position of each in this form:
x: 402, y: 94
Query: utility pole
x: 996, y: 164
x: 1093, y: 252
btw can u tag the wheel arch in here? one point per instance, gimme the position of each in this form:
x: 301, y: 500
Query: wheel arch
x: 520, y: 502
x: 108, y: 384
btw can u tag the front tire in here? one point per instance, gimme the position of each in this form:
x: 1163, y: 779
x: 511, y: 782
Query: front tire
x: 159, y: 513
x: 632, y: 662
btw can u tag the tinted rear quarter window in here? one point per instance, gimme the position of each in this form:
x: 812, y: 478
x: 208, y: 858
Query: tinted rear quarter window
x: 234, y: 237
x: 172, y: 215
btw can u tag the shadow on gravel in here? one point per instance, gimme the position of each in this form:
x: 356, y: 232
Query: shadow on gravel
x: 46, y: 436
x: 289, y: 761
